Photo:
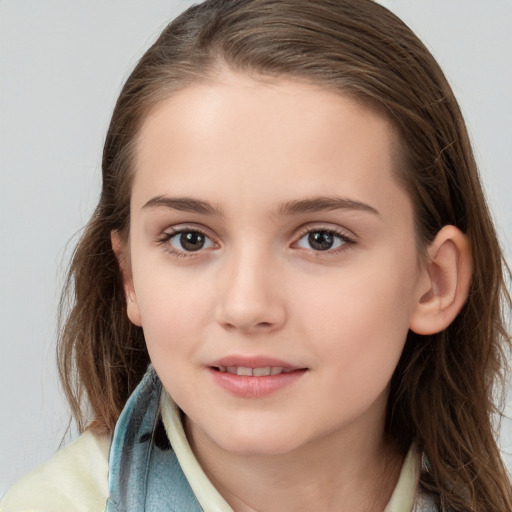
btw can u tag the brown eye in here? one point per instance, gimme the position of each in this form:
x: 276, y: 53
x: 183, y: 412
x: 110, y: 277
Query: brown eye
x: 321, y: 240
x: 192, y: 241
x: 189, y: 241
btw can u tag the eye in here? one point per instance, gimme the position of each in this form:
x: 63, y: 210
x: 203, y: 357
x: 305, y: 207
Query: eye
x: 189, y: 240
x: 323, y: 240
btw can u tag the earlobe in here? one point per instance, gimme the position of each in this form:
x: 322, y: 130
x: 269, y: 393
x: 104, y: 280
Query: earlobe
x: 119, y: 248
x: 445, y: 284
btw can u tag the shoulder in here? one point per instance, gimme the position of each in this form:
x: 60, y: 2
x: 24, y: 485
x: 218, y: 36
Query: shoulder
x: 75, y: 479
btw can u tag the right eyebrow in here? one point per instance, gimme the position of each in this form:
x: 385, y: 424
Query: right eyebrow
x: 184, y: 204
x: 324, y: 203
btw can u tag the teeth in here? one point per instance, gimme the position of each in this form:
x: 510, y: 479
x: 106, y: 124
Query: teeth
x: 260, y: 372
x: 254, y: 372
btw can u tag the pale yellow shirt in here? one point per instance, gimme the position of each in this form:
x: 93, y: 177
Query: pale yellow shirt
x: 76, y: 478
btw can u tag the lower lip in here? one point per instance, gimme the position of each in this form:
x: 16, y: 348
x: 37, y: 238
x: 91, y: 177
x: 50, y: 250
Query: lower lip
x: 255, y: 387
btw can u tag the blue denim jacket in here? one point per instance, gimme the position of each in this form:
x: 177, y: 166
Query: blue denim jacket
x: 142, y: 476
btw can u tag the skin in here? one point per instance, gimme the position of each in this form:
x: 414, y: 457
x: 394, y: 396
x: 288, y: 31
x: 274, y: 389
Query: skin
x: 257, y: 287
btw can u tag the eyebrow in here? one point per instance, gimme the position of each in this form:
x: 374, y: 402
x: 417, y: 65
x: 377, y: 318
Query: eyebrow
x: 184, y: 204
x: 295, y: 207
x: 321, y: 203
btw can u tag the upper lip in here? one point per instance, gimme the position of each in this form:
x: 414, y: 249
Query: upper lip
x: 252, y: 362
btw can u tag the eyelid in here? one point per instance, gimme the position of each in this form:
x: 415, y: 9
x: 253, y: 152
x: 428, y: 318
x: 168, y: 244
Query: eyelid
x: 172, y: 231
x: 346, y: 235
x: 325, y: 226
x: 190, y: 226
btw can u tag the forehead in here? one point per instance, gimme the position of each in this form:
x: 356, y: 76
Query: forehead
x: 270, y: 138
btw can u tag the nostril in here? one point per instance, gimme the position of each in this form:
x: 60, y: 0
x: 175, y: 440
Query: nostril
x: 254, y: 327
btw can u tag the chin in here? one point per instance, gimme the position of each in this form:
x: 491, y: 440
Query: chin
x: 258, y: 448
x: 257, y: 441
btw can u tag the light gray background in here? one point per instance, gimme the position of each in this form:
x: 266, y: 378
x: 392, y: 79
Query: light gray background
x: 62, y: 64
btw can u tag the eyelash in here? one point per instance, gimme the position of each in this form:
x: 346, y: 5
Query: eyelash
x: 165, y: 239
x: 346, y: 241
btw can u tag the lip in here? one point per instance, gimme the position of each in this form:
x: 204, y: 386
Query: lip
x: 252, y: 362
x: 254, y: 386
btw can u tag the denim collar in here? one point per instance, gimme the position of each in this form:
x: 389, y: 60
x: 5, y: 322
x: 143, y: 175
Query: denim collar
x: 143, y: 476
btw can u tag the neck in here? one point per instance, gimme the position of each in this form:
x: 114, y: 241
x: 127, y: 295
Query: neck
x: 355, y: 473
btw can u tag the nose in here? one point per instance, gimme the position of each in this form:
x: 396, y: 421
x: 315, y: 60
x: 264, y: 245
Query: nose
x: 251, y: 295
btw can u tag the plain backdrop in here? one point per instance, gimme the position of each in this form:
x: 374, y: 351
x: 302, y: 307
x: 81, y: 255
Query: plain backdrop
x: 62, y: 64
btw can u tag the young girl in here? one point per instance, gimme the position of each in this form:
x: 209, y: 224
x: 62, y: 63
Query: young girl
x: 291, y: 294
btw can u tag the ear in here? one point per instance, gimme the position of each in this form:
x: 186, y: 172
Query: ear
x: 445, y: 284
x: 123, y: 260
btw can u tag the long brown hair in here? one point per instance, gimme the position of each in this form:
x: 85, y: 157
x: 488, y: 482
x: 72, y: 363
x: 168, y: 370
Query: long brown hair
x: 443, y: 391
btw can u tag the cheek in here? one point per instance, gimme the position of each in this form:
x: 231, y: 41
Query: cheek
x: 173, y: 309
x: 172, y: 315
x: 361, y: 318
x: 368, y: 294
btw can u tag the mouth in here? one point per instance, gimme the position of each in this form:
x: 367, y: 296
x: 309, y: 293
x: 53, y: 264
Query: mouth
x: 253, y: 366
x: 247, y: 371
x: 254, y: 377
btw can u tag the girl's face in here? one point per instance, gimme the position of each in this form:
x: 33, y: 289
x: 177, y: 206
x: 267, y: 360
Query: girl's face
x: 273, y: 262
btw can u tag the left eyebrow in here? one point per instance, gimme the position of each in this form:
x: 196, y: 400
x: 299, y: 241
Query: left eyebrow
x: 184, y: 204
x: 324, y: 203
